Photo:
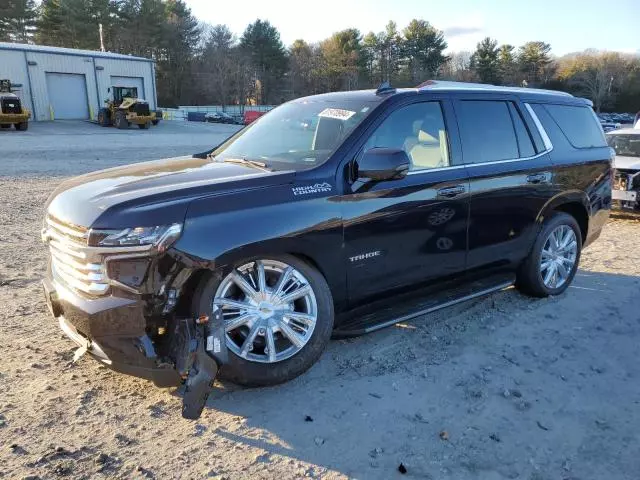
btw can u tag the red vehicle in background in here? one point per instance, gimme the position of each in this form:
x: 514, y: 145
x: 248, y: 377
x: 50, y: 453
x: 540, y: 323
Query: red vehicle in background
x: 252, y: 116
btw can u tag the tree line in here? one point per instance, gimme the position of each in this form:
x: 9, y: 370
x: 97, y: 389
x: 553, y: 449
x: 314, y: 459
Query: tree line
x: 208, y: 64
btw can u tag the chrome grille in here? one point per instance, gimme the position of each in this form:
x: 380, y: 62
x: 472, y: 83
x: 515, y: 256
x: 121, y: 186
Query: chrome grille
x: 70, y: 263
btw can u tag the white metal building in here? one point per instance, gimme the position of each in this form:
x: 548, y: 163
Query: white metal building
x: 64, y: 84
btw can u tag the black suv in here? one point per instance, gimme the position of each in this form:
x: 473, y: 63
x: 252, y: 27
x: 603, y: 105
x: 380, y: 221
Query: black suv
x: 391, y: 204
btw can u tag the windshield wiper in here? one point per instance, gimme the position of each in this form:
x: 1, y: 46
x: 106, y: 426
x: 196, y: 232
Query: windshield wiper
x: 244, y: 161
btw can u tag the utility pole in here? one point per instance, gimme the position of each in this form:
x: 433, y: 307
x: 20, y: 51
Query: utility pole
x: 101, y: 39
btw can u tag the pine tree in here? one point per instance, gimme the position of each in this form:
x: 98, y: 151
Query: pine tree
x: 535, y: 59
x: 261, y: 41
x: 51, y: 25
x: 17, y: 20
x: 182, y: 36
x: 423, y: 48
x: 507, y: 64
x: 485, y: 61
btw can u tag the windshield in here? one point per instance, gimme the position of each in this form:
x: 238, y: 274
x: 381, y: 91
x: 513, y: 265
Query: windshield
x: 125, y: 92
x: 625, y: 145
x: 297, y: 135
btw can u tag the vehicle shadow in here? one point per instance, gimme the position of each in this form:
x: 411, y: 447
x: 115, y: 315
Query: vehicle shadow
x: 485, y: 389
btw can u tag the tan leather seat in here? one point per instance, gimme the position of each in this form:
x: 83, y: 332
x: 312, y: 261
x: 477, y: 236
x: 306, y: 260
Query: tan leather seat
x: 411, y: 141
x: 425, y: 153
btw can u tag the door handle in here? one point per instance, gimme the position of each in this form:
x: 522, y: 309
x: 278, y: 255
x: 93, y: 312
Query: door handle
x: 537, y: 178
x: 451, y: 192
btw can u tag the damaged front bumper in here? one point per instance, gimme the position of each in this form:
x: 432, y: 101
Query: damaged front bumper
x: 107, y: 329
x: 626, y: 189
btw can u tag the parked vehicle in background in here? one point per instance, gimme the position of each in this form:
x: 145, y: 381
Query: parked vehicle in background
x: 609, y: 126
x: 219, y: 117
x: 12, y: 112
x: 251, y: 116
x: 395, y: 204
x: 628, y: 118
x: 124, y: 108
x: 626, y: 185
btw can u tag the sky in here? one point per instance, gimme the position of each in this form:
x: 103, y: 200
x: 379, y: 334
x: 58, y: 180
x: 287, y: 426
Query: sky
x: 568, y: 25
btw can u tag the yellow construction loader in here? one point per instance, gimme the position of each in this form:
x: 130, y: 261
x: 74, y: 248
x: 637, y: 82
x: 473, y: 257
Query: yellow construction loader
x: 124, y: 108
x: 11, y: 110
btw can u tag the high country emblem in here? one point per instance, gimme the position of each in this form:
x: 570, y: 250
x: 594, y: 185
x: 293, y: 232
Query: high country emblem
x: 308, y: 189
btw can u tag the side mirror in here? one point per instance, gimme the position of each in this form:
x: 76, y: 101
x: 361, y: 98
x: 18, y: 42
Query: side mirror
x: 383, y: 164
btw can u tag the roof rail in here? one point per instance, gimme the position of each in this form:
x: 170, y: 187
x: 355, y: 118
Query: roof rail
x: 448, y: 85
x: 384, y: 88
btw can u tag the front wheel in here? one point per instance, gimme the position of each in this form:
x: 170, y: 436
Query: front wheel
x: 120, y: 120
x: 278, y: 314
x: 22, y: 126
x: 553, y: 261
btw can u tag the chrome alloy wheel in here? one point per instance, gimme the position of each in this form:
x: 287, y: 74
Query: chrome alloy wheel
x: 559, y: 256
x: 269, y: 309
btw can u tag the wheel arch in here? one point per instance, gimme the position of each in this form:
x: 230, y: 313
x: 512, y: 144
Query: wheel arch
x: 574, y: 203
x: 335, y: 278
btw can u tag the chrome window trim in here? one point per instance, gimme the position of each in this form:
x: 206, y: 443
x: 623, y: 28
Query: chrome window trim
x: 472, y: 165
x: 543, y: 133
x: 510, y: 160
x: 438, y: 169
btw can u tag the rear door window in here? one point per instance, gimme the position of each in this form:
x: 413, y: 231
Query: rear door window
x: 578, y: 124
x: 524, y: 137
x: 486, y: 131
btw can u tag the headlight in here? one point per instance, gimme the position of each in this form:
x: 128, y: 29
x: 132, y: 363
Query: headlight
x: 161, y: 236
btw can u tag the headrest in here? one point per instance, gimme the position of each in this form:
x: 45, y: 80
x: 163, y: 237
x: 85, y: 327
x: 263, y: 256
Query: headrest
x: 424, y: 137
x: 416, y: 127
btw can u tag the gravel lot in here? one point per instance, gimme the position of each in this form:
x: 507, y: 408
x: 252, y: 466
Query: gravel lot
x: 76, y: 147
x: 502, y: 387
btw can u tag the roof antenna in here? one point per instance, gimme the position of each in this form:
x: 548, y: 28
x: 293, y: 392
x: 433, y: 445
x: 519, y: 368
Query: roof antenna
x: 385, y: 87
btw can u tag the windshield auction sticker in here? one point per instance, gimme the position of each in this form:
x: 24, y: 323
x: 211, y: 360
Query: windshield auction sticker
x: 336, y: 113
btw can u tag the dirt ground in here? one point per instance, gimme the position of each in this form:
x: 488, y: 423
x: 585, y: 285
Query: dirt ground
x: 503, y: 387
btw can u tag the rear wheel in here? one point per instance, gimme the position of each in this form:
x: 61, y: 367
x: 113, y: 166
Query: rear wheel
x: 4, y: 125
x: 103, y: 118
x: 278, y: 314
x: 22, y: 126
x: 553, y: 261
x: 120, y: 120
x: 144, y: 126
x: 155, y: 122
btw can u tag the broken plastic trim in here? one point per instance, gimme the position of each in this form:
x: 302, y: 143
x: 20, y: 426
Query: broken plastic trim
x: 200, y: 350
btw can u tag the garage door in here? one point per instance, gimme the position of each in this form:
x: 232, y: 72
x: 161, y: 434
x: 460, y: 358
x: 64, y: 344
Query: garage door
x: 67, y: 96
x: 137, y: 82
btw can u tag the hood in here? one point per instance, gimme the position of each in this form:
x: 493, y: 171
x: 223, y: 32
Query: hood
x: 151, y: 193
x: 626, y: 163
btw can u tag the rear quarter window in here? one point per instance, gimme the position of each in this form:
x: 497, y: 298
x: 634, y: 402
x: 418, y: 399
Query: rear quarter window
x: 578, y: 124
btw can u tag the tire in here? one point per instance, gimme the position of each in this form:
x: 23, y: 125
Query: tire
x: 155, y: 122
x: 103, y: 118
x: 120, y: 120
x: 5, y: 126
x: 144, y: 126
x: 252, y: 373
x: 531, y: 275
x: 22, y: 126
